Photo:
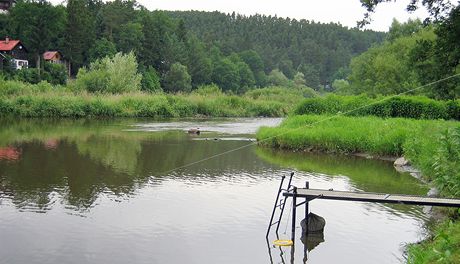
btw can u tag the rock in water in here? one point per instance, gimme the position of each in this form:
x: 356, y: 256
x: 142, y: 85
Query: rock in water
x: 401, y: 162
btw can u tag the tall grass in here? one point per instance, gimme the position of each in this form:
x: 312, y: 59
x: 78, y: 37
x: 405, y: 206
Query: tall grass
x: 44, y: 100
x: 343, y: 134
x: 417, y: 107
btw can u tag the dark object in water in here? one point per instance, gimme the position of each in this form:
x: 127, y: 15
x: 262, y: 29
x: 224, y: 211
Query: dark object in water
x: 316, y: 224
x: 312, y: 240
x: 315, y: 234
x: 194, y: 131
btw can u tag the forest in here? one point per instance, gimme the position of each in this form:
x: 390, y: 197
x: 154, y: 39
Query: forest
x: 179, y: 51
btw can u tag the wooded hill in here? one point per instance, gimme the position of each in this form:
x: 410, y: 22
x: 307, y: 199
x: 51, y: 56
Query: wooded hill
x: 322, y: 52
x: 183, y: 50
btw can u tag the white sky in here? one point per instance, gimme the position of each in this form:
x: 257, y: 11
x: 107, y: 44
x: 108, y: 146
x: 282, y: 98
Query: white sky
x: 345, y: 12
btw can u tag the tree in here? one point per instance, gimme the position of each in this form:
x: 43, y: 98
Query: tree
x: 38, y: 25
x: 116, y: 74
x: 277, y: 78
x: 198, y: 63
x: 102, y: 48
x: 225, y: 74
x: 80, y: 34
x: 130, y: 37
x: 438, y: 8
x: 299, y: 79
x: 178, y: 79
x: 151, y: 80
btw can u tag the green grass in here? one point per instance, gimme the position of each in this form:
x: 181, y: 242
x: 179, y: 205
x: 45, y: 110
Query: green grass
x: 443, y: 247
x: 416, y: 107
x: 341, y: 134
x: 44, y: 100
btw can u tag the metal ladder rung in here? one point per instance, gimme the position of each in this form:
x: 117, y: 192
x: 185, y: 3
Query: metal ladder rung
x: 281, y: 204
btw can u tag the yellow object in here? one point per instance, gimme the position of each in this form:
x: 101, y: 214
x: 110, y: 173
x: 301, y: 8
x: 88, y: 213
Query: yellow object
x: 283, y: 243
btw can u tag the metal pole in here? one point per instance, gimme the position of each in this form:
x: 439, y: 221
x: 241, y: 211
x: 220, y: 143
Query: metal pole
x: 307, y: 186
x: 294, y: 207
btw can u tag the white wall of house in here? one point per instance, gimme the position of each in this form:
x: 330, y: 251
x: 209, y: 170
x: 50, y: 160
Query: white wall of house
x: 20, y: 64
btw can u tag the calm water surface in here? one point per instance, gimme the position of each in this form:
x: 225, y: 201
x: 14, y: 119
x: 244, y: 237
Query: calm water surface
x: 106, y: 192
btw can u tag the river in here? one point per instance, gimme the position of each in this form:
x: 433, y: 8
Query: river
x: 143, y: 191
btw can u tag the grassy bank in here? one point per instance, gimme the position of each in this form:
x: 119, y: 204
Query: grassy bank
x: 417, y: 107
x: 44, y: 100
x: 433, y: 146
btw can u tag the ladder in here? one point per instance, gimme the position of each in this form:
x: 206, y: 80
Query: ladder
x: 279, y: 205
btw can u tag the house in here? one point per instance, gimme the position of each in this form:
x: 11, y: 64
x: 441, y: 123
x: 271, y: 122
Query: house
x: 5, y: 5
x: 56, y: 58
x: 15, y: 50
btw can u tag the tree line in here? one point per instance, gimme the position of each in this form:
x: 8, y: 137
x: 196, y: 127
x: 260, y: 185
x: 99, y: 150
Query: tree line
x: 416, y: 58
x: 178, y: 51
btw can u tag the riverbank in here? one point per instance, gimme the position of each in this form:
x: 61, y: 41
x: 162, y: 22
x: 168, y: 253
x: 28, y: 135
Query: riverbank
x: 432, y: 146
x: 44, y: 100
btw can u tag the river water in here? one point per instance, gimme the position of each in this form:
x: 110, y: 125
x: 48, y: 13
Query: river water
x: 143, y: 191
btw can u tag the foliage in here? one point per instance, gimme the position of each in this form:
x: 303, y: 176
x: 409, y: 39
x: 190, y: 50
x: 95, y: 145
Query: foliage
x: 55, y: 73
x: 102, y: 48
x: 150, y: 80
x: 30, y: 75
x: 44, y: 100
x: 111, y: 75
x: 225, y: 74
x: 178, y: 79
x: 417, y: 107
x: 283, y: 43
x: 346, y: 134
x: 277, y: 78
x: 387, y: 69
x: 39, y: 25
x: 441, y: 248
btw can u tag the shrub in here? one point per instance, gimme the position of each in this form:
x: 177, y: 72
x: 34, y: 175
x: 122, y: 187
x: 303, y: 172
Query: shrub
x: 111, y: 75
x: 29, y: 75
x: 178, y: 79
x: 151, y: 80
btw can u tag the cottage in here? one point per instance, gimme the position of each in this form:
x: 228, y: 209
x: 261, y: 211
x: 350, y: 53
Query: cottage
x: 15, y: 50
x: 5, y: 5
x: 56, y: 58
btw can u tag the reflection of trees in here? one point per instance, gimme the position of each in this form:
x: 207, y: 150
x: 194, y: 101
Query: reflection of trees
x: 120, y: 154
x: 366, y: 174
x: 87, y: 159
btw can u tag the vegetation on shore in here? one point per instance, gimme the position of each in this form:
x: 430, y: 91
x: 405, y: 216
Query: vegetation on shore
x: 432, y: 146
x: 417, y: 107
x: 44, y: 100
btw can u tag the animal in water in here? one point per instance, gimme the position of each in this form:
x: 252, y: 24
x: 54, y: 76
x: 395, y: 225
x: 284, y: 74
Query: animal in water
x: 195, y: 131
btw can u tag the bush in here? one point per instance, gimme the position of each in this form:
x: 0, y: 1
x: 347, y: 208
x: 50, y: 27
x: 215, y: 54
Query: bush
x: 178, y: 79
x: 55, y: 73
x: 151, y: 81
x: 29, y: 75
x: 111, y: 75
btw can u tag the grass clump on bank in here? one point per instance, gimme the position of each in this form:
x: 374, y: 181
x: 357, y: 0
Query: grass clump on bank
x: 417, y: 107
x: 343, y: 134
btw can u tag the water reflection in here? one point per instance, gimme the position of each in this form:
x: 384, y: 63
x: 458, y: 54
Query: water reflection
x: 115, y: 178
x: 82, y: 159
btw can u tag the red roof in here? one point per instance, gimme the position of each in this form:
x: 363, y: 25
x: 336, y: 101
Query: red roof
x: 49, y: 55
x: 8, y: 46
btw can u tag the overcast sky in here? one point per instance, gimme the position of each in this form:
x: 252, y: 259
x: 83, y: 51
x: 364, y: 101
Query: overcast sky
x: 346, y: 12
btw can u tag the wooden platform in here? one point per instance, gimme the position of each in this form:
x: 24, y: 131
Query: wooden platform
x: 311, y: 194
